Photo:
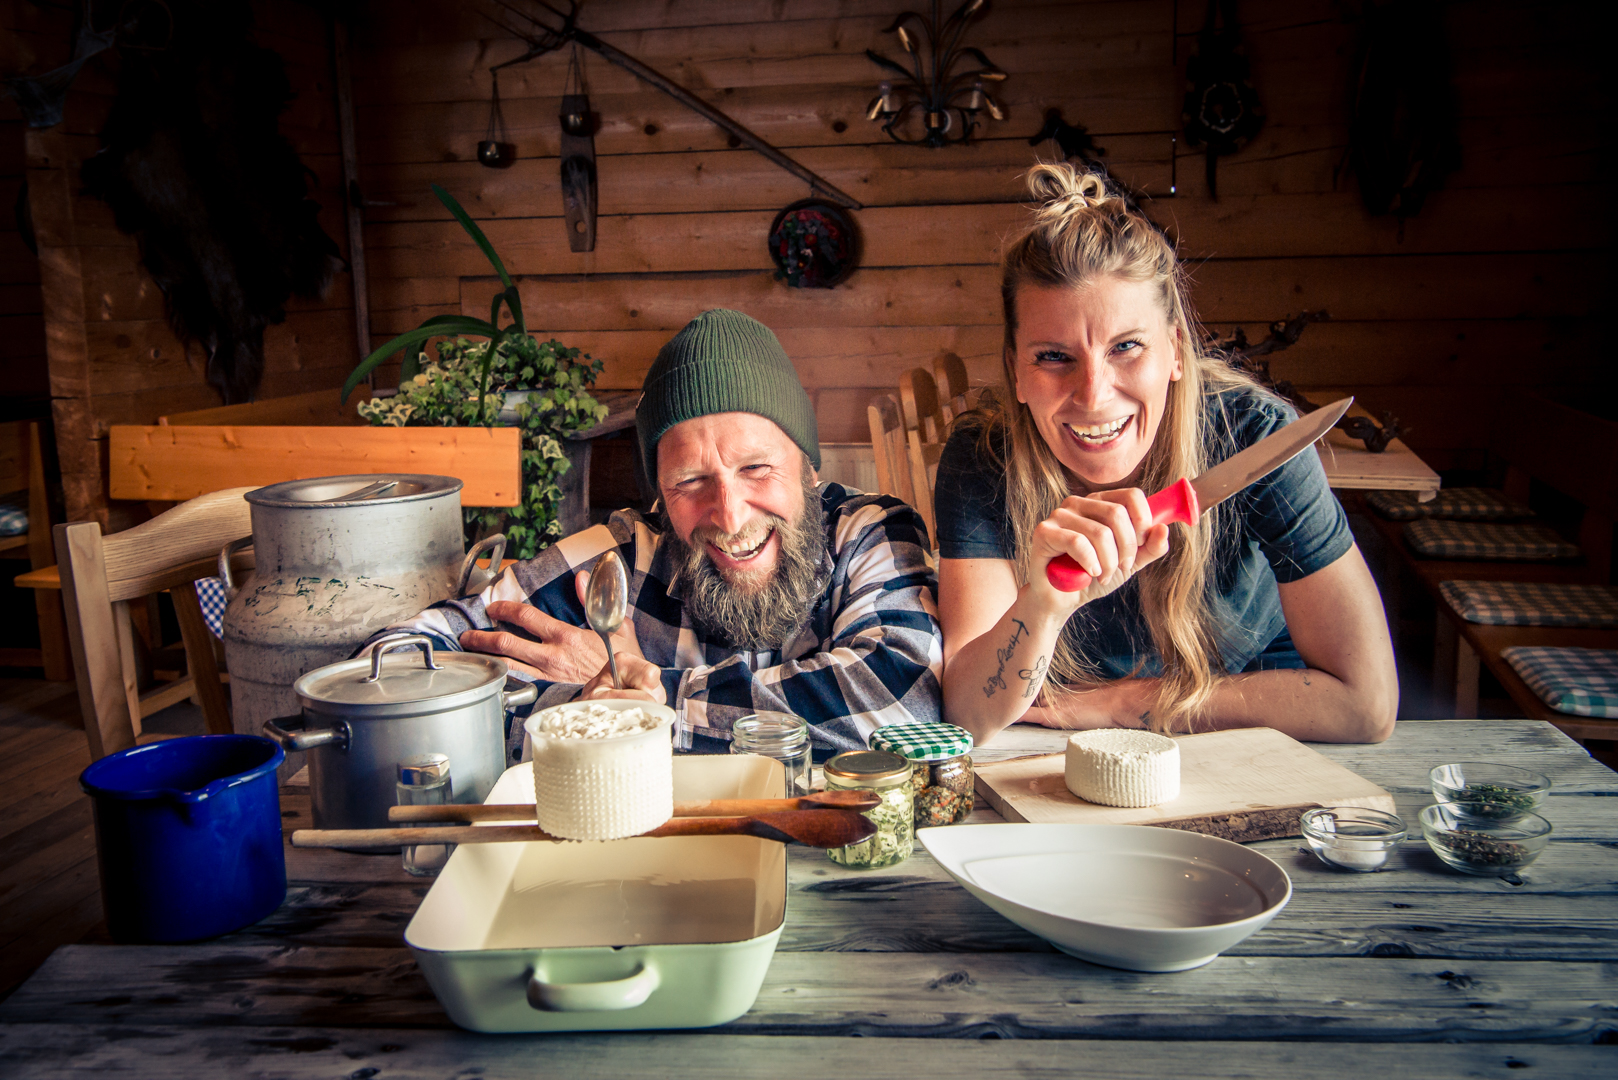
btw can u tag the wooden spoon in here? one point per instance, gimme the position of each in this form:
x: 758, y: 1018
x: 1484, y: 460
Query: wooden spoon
x: 812, y: 828
x: 818, y: 800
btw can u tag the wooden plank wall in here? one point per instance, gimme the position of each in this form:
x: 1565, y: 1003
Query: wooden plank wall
x: 112, y: 356
x: 1494, y: 284
x: 22, y: 326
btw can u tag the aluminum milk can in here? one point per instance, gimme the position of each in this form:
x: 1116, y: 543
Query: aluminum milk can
x: 337, y: 558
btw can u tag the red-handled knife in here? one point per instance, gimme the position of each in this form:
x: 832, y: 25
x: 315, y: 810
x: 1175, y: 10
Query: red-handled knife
x: 1186, y: 500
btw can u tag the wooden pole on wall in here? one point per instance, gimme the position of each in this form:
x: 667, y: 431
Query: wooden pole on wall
x: 343, y: 80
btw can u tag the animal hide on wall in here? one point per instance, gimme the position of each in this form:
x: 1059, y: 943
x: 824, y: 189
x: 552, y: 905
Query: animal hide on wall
x: 193, y: 166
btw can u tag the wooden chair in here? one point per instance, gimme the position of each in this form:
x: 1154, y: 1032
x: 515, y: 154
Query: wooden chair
x: 950, y: 371
x: 22, y: 469
x: 888, y: 446
x: 925, y: 426
x: 100, y: 576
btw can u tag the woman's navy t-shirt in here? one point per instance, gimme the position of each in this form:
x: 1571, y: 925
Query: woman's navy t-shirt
x: 1285, y: 527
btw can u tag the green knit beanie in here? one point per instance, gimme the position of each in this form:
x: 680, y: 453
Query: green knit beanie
x: 723, y: 361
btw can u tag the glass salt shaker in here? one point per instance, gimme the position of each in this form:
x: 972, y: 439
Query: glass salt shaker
x: 781, y: 736
x: 424, y: 781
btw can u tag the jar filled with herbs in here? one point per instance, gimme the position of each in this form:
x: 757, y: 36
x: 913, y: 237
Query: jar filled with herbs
x: 941, y: 756
x: 889, y: 776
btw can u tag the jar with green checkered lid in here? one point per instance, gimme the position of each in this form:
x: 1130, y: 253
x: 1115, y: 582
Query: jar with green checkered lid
x: 889, y: 776
x: 941, y: 756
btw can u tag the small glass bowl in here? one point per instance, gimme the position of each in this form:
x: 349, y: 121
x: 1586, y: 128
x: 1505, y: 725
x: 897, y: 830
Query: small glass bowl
x: 1352, y: 837
x: 1487, y: 847
x: 1499, y: 792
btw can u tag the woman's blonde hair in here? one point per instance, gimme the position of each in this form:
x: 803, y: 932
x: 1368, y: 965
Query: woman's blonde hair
x: 1083, y: 231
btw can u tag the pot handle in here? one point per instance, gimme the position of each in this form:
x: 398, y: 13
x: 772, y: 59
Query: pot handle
x: 526, y: 694
x: 304, y: 738
x: 399, y: 641
x: 493, y: 546
x: 615, y: 994
x: 225, y: 553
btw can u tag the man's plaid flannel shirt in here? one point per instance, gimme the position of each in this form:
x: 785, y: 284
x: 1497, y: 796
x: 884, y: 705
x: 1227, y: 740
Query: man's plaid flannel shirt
x: 871, y: 653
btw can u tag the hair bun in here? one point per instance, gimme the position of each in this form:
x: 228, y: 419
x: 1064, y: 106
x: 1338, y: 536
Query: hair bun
x: 1061, y: 189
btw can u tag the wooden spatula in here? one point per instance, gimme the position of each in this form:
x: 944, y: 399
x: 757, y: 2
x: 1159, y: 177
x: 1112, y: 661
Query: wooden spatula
x: 812, y: 828
x: 818, y: 800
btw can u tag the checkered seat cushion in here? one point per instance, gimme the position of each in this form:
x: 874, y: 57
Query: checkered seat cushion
x: 213, y: 601
x: 1433, y: 538
x: 14, y: 517
x: 1456, y: 504
x: 1583, y: 682
x: 1532, y: 603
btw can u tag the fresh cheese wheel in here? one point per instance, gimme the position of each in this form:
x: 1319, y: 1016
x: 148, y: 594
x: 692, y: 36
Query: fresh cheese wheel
x: 602, y: 769
x: 1117, y: 767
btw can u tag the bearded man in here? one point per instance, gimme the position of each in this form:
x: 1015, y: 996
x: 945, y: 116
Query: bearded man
x: 752, y: 587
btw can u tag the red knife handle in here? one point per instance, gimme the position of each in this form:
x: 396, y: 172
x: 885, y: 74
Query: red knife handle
x: 1177, y: 502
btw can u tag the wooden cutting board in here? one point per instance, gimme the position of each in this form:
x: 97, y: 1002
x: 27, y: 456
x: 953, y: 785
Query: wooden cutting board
x: 1246, y: 784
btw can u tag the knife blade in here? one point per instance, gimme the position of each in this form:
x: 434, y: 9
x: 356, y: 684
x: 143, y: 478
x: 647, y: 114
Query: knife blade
x: 1187, y: 500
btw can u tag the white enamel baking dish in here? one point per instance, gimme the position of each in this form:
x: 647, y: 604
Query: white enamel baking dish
x: 608, y: 935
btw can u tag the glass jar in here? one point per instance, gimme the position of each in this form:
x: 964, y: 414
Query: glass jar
x: 781, y: 736
x: 889, y: 776
x: 424, y: 781
x: 941, y: 756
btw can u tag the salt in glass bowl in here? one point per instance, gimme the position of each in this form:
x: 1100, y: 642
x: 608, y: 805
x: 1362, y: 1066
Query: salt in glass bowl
x: 1500, y: 792
x: 1352, y: 837
x: 1486, y: 847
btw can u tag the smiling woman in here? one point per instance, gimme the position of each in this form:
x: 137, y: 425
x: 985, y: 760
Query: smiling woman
x: 1261, y: 615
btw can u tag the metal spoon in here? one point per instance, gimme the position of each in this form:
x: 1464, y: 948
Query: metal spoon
x: 605, y: 600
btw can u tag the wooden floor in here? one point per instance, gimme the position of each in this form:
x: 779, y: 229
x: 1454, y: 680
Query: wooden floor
x: 50, y: 892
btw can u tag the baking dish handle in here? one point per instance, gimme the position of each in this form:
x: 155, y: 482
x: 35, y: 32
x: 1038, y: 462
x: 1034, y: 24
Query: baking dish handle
x: 607, y: 996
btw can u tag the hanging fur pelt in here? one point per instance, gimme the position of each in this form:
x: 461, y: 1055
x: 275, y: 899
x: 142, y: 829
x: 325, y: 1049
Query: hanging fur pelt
x: 193, y: 166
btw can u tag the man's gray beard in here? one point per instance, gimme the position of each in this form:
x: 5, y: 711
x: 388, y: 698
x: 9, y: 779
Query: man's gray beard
x: 769, y: 617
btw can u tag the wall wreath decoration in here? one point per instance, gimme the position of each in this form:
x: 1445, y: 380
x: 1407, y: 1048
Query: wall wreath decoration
x: 814, y: 245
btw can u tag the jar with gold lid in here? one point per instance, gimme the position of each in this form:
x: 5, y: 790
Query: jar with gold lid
x: 889, y: 776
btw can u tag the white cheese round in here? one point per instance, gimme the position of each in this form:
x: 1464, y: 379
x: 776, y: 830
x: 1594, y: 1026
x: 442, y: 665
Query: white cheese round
x: 602, y: 770
x: 1118, y: 767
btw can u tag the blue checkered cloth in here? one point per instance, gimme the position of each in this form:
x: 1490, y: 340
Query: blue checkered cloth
x: 1433, y: 538
x: 1532, y: 603
x: 211, y: 595
x: 1583, y: 682
x: 1456, y: 504
x: 13, y: 519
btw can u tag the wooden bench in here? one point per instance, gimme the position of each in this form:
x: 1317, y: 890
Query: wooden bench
x: 1575, y: 453
x: 22, y: 469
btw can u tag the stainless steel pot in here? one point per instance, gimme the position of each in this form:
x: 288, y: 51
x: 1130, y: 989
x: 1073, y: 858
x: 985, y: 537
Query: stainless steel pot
x: 362, y: 717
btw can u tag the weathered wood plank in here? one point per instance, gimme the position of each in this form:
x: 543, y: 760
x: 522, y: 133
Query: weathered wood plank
x: 949, y: 996
x: 50, y: 1051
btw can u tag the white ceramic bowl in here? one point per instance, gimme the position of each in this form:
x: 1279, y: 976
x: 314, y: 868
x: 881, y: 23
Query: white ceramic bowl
x: 1127, y: 896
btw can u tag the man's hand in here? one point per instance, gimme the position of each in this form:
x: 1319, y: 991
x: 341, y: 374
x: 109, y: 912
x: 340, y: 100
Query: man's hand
x: 562, y: 653
x: 642, y: 679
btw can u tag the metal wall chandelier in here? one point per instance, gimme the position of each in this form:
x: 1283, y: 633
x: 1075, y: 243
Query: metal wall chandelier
x: 949, y: 103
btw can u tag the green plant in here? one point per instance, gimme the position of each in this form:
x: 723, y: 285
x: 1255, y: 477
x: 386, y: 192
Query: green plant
x: 454, y: 390
x: 446, y: 392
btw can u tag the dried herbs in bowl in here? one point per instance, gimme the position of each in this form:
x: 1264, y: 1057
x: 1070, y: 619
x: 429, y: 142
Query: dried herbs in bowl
x: 1495, y: 792
x: 1478, y: 845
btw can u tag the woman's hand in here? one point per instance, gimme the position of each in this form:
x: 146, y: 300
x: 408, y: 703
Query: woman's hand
x: 1109, y: 534
x: 1125, y: 703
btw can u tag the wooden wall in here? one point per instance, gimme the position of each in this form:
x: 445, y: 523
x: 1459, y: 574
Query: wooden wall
x: 112, y: 357
x: 22, y: 326
x: 1494, y: 284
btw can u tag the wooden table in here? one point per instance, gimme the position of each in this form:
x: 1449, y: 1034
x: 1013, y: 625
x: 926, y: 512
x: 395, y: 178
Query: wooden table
x: 1414, y: 971
x: 1350, y: 466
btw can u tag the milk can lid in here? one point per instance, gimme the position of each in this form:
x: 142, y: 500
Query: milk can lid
x: 354, y: 489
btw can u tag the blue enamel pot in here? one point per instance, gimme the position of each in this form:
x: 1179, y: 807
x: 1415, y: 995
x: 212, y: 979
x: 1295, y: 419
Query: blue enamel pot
x: 188, y: 836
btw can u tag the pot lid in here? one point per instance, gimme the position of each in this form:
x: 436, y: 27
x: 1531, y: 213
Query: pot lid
x: 354, y: 489
x: 388, y: 678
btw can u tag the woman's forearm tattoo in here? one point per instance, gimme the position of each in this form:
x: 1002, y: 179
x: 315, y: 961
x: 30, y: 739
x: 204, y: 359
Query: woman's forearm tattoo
x: 1035, y: 676
x: 997, y: 681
